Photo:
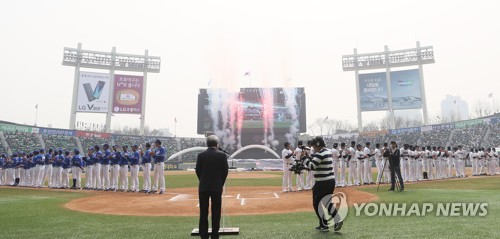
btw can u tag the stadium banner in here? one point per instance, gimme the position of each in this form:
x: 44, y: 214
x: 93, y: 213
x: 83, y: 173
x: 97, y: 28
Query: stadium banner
x: 495, y: 120
x: 92, y: 134
x: 405, y: 130
x: 59, y: 132
x: 344, y: 136
x: 443, y: 126
x: 373, y: 91
x: 405, y: 88
x: 93, y: 92
x: 426, y: 128
x: 468, y: 123
x: 14, y: 128
x: 373, y: 133
x: 35, y: 130
x: 127, y: 95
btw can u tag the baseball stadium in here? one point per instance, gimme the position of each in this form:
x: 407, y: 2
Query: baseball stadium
x: 249, y: 119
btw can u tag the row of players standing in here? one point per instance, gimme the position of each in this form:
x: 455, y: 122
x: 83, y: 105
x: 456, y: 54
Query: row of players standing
x: 352, y: 165
x: 105, y: 169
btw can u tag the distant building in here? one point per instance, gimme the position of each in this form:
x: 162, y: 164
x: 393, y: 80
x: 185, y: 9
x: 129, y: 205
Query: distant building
x: 454, y: 108
x: 165, y: 132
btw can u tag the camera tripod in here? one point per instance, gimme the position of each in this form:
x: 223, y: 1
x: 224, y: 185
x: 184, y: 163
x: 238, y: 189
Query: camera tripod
x: 398, y: 189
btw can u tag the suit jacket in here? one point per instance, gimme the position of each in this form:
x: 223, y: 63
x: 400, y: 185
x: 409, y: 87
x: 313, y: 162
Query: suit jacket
x: 212, y: 170
x: 395, y: 157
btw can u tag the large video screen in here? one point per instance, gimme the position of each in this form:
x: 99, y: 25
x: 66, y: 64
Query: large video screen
x: 405, y: 88
x: 251, y: 109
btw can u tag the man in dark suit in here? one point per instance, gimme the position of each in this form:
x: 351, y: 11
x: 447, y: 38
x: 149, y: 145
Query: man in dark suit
x: 395, y: 167
x: 211, y: 169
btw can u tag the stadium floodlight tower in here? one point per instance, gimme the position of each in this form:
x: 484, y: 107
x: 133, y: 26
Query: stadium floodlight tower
x: 112, y: 62
x: 387, y: 60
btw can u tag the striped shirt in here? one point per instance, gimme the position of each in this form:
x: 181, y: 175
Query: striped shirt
x: 321, y: 165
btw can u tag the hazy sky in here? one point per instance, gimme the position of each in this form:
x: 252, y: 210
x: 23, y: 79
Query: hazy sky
x: 275, y: 40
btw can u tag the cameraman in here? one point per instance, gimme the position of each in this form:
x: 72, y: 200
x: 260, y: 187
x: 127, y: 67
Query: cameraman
x: 287, y: 156
x: 394, y: 160
x: 321, y: 165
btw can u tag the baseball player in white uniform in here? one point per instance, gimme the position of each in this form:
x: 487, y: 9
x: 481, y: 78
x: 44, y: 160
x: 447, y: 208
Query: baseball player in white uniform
x: 473, y: 160
x: 336, y: 160
x: 343, y: 165
x: 367, y: 172
x: 309, y: 176
x: 300, y: 177
x: 353, y: 163
x: 460, y: 162
x: 360, y: 157
x: 412, y: 164
x: 287, y: 157
x: 481, y: 160
x: 405, y: 156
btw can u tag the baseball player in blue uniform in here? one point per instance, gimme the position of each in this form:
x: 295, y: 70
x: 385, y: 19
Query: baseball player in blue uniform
x: 57, y: 169
x: 47, y: 163
x: 32, y: 169
x: 66, y: 166
x: 96, y: 173
x: 123, y: 181
x: 115, y: 167
x: 17, y: 168
x: 106, y: 156
x: 146, y: 169
x: 76, y: 169
x: 89, y: 170
x: 9, y: 167
x: 39, y: 169
x: 2, y: 171
x: 24, y: 169
x: 134, y: 169
x: 159, y: 160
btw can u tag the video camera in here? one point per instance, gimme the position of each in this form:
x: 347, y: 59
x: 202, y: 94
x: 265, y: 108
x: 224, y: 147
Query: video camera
x: 387, y: 153
x: 298, y: 167
x: 303, y: 147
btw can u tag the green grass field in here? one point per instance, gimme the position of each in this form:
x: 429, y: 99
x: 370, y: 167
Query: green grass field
x: 26, y: 213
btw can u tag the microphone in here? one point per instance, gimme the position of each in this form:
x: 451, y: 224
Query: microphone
x: 221, y: 149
